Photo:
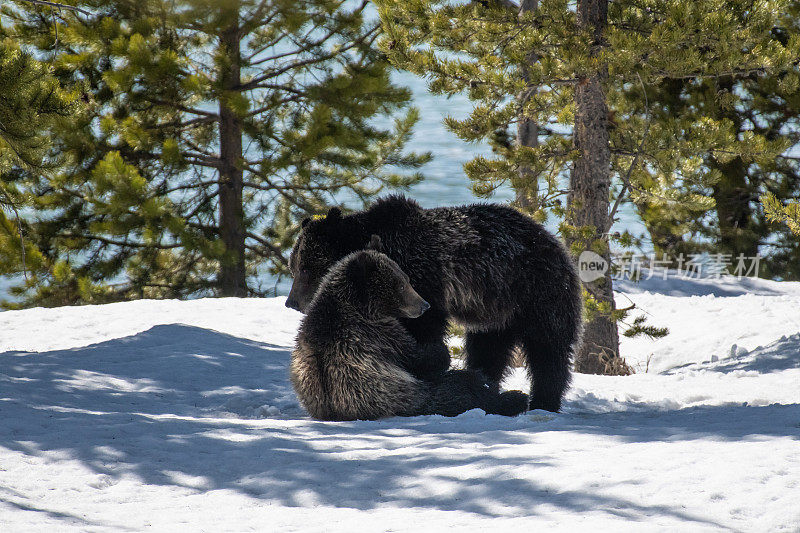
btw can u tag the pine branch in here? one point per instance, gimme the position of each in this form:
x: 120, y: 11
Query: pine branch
x: 124, y: 243
x: 200, y: 184
x: 181, y: 107
x: 308, y: 47
x: 271, y: 247
x: 626, y: 181
x: 10, y: 202
x: 310, y: 61
x: 59, y: 6
x: 500, y: 3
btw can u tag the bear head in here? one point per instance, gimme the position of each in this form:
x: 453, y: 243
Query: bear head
x: 322, y: 242
x: 376, y: 286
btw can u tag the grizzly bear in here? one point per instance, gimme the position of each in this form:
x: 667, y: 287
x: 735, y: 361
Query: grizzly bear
x: 354, y: 359
x: 488, y: 267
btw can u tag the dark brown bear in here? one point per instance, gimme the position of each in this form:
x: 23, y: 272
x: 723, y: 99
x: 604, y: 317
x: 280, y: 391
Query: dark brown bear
x: 353, y: 356
x: 501, y: 275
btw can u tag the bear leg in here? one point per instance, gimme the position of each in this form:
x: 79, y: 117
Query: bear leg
x: 430, y: 362
x: 548, y: 359
x: 459, y: 391
x: 489, y: 352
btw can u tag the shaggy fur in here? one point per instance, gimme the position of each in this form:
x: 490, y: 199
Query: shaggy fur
x: 501, y: 275
x: 355, y: 360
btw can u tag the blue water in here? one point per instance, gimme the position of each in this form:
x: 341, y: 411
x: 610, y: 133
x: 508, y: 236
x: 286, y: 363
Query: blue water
x: 445, y: 183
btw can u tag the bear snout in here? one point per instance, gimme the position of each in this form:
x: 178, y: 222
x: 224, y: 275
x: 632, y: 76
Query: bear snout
x: 291, y: 303
x: 415, y: 309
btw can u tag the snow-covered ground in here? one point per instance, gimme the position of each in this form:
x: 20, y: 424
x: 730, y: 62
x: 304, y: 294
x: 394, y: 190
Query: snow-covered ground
x: 178, y: 416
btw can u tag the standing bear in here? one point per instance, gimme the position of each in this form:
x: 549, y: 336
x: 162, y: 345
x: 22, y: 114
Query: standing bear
x: 506, y: 279
x: 354, y: 360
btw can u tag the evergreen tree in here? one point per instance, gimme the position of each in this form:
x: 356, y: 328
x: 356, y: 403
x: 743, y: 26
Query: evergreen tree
x: 213, y: 127
x: 760, y: 113
x: 31, y: 101
x: 568, y: 69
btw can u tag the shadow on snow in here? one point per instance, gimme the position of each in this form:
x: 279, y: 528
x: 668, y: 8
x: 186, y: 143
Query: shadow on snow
x: 777, y: 356
x: 179, y: 405
x: 681, y: 286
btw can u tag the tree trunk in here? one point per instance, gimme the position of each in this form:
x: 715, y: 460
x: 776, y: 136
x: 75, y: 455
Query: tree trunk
x: 734, y: 213
x: 527, y: 189
x: 732, y: 194
x: 232, y: 278
x: 527, y: 135
x: 588, y: 199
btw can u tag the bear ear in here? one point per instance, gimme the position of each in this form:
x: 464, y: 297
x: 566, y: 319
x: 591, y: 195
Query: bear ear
x: 334, y: 213
x: 374, y: 243
x: 361, y: 270
x: 305, y: 222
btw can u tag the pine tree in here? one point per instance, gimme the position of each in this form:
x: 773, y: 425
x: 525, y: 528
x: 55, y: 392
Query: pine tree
x: 759, y: 114
x: 31, y: 101
x: 212, y: 128
x: 568, y: 69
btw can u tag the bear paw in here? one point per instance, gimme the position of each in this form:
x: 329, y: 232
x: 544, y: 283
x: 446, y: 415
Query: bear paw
x: 512, y: 403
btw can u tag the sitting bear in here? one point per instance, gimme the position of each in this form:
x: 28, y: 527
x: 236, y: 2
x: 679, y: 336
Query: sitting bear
x: 506, y: 279
x: 354, y: 360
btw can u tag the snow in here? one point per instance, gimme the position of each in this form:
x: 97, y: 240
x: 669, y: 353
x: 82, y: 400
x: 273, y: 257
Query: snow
x: 178, y: 416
